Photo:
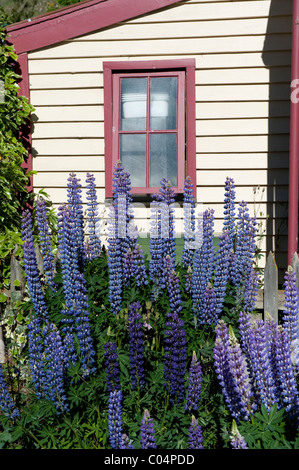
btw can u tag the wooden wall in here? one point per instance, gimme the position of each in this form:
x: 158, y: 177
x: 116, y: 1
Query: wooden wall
x: 243, y: 62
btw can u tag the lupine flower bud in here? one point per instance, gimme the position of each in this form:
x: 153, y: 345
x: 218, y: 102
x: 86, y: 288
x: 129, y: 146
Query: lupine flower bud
x: 237, y: 440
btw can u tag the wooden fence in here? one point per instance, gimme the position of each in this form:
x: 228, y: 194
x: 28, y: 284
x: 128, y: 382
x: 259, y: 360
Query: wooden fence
x: 270, y: 298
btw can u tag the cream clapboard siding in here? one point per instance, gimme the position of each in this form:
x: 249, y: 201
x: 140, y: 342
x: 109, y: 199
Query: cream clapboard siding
x: 243, y: 62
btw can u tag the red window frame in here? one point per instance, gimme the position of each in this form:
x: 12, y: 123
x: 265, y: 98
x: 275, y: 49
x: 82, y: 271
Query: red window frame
x: 186, y: 156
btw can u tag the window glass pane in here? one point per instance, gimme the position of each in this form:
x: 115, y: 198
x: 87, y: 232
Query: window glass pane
x: 132, y: 154
x: 163, y: 158
x: 133, y: 104
x: 163, y: 103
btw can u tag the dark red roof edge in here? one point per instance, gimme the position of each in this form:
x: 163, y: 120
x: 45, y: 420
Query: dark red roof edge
x: 77, y: 20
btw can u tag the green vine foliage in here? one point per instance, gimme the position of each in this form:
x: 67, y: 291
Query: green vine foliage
x: 14, y: 113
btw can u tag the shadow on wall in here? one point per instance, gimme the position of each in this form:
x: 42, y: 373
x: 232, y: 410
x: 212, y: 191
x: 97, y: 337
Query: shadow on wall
x: 277, y: 58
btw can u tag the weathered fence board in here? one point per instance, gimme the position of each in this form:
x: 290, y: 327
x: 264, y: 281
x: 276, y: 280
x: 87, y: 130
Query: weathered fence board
x: 271, y: 287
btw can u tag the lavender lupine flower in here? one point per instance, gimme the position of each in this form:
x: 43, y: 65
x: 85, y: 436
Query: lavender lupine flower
x: 111, y: 366
x: 94, y: 242
x: 115, y: 419
x: 7, y: 405
x: 147, y: 432
x: 195, y: 435
x: 194, y: 385
x: 229, y: 218
x: 189, y: 223
x: 286, y: 374
x: 126, y: 443
x: 291, y: 310
x: 188, y: 280
x: 136, y: 345
x: 236, y: 439
x: 231, y: 372
x: 74, y: 200
x: 45, y: 241
x: 203, y: 264
x: 244, y: 330
x: 260, y: 358
x: 31, y: 268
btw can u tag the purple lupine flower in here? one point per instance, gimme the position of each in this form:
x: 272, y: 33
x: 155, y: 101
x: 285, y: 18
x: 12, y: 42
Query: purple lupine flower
x: 136, y: 338
x: 74, y: 200
x: 31, y: 268
x: 94, y: 242
x: 175, y: 356
x: 229, y: 217
x: 54, y: 365
x: 36, y: 352
x: 203, y: 264
x: 189, y: 223
x: 236, y: 439
x: 47, y: 362
x: 45, y: 241
x: 231, y: 372
x: 147, y: 432
x: 167, y: 218
x: 285, y: 372
x: 291, y: 306
x: 126, y: 443
x: 194, y: 386
x: 156, y: 247
x: 69, y: 264
x: 195, y: 435
x: 76, y: 311
x: 244, y: 330
x: 260, y: 358
x: 222, y: 270
x: 114, y: 263
x: 122, y: 240
x: 243, y: 275
x: 111, y: 366
x: 115, y: 419
x: 175, y: 336
x: 7, y: 405
x: 208, y: 315
x: 134, y: 266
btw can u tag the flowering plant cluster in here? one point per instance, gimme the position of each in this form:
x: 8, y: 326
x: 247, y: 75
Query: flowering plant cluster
x: 133, y: 351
